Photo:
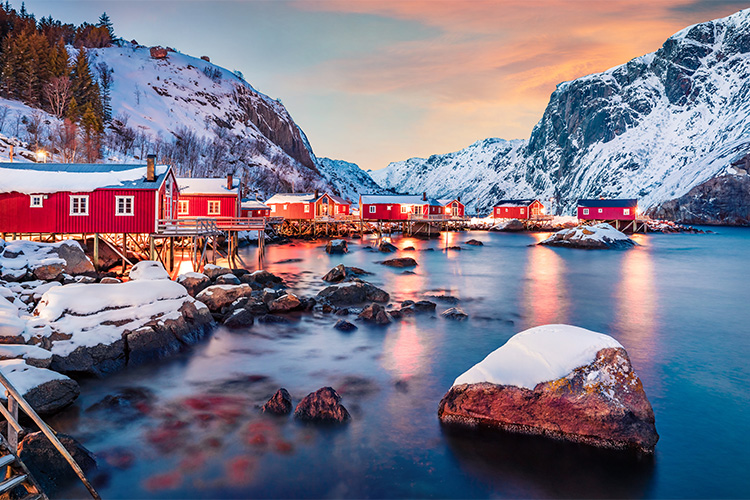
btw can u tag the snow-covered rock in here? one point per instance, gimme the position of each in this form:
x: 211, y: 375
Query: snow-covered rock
x: 557, y: 380
x: 600, y: 235
x: 45, y: 390
x: 149, y: 270
x: 31, y: 354
x: 652, y: 129
x: 46, y: 261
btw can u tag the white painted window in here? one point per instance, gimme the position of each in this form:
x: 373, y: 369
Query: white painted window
x: 79, y: 205
x: 389, y: 207
x: 307, y: 209
x: 123, y: 205
x: 585, y: 211
x: 214, y: 207
x: 625, y: 211
x: 403, y: 209
x: 523, y: 210
x: 273, y: 208
x: 447, y: 210
x: 600, y: 210
x: 372, y: 209
x: 506, y: 209
x: 183, y: 207
x: 36, y: 201
x: 286, y: 207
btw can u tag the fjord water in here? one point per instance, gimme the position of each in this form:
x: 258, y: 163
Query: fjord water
x: 677, y: 303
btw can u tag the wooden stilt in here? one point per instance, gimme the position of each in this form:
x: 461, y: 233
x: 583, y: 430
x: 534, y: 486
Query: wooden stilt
x: 96, y: 251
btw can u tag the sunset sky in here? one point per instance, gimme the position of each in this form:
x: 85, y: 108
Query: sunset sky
x: 378, y: 81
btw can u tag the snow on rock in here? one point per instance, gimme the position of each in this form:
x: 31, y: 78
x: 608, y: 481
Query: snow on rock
x: 20, y: 258
x: 557, y: 380
x: 45, y: 390
x: 149, y: 270
x: 601, y: 235
x: 33, y: 355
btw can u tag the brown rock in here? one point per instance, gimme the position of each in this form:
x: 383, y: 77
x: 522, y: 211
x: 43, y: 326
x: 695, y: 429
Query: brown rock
x: 279, y: 404
x: 285, y: 303
x: 52, y: 396
x: 475, y: 243
x: 602, y: 404
x: 214, y: 271
x: 386, y: 247
x: 375, y: 313
x: 48, y: 272
x: 454, y: 313
x: 218, y: 296
x: 158, y: 52
x: 46, y: 464
x: 75, y: 259
x: 194, y: 283
x: 337, y: 247
x: 355, y: 292
x: 400, y: 262
x: 322, y: 405
x: 336, y: 274
x: 228, y: 279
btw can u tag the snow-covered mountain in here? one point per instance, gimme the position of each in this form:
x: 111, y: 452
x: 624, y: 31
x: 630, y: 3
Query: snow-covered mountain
x: 348, y: 178
x: 653, y: 128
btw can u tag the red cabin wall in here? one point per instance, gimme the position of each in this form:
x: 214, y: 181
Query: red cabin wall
x: 260, y: 212
x: 382, y: 212
x: 198, y: 205
x: 511, y: 212
x: 607, y: 213
x: 295, y: 211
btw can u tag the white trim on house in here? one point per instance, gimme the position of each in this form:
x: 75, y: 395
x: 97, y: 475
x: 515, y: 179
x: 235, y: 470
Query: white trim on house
x: 79, y: 204
x: 124, y: 205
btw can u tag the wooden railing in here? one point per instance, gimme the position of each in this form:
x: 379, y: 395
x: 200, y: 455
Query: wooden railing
x: 16, y: 401
x: 187, y: 227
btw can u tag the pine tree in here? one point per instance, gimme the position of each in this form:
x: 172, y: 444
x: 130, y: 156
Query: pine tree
x: 72, y: 113
x: 92, y: 130
x: 105, y: 81
x: 106, y: 22
x: 58, y: 60
x: 83, y: 87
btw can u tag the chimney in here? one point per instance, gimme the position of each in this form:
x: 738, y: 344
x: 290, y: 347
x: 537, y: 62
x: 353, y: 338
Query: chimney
x: 459, y: 199
x: 317, y: 194
x: 151, y: 168
x: 230, y: 181
x: 424, y: 196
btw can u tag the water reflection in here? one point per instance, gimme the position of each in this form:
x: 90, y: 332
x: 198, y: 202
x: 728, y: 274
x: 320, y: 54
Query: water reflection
x: 545, y: 299
x: 404, y: 352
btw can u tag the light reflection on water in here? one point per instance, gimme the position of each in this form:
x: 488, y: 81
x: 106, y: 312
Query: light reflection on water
x: 677, y: 303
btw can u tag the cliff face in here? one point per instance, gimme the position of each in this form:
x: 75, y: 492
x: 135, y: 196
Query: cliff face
x: 721, y: 200
x: 652, y: 129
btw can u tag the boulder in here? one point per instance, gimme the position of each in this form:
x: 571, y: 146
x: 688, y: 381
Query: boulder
x: 285, y: 303
x: 400, y: 262
x: 279, y: 404
x: 409, y: 249
x: 239, y: 318
x: 599, y: 236
x: 509, y: 225
x: 31, y: 354
x: 75, y: 258
x: 336, y: 274
x: 149, y: 270
x: 107, y: 257
x: 48, y: 272
x: 228, y: 279
x: 375, y: 313
x: 46, y: 391
x: 323, y: 405
x: 352, y: 293
x: 476, y: 243
x: 213, y: 271
x: 387, y: 247
x: 454, y: 313
x: 424, y: 305
x: 344, y: 326
x: 336, y: 247
x: 218, y: 296
x: 109, y: 280
x: 193, y: 282
x: 46, y: 464
x: 560, y: 381
x: 261, y: 278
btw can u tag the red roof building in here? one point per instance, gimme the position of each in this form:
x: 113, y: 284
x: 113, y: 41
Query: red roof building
x: 399, y: 207
x: 330, y: 205
x: 453, y: 207
x: 254, y: 208
x: 72, y: 198
x: 518, y: 209
x: 307, y: 206
x: 625, y: 209
x: 202, y: 197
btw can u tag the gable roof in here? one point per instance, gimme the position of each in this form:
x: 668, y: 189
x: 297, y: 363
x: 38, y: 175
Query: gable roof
x: 291, y: 198
x: 447, y: 201
x: 515, y: 203
x: 76, y: 177
x: 249, y: 204
x: 396, y: 199
x: 627, y: 203
x: 336, y: 199
x: 203, y: 185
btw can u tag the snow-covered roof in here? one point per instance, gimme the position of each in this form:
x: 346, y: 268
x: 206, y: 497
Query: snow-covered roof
x: 537, y: 355
x: 515, y: 203
x: 447, y: 201
x: 336, y: 199
x: 202, y: 185
x: 396, y: 199
x: 32, y: 178
x: 254, y: 205
x: 291, y: 198
x: 609, y: 203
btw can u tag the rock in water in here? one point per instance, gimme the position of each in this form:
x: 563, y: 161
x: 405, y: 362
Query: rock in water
x: 344, y: 326
x: 387, y: 247
x: 594, y: 237
x: 285, y: 303
x: 193, y: 282
x: 476, y: 243
x: 454, y: 313
x: 336, y: 246
x: 375, y: 313
x: 557, y: 380
x: 400, y: 262
x: 279, y: 404
x: 336, y: 274
x: 322, y: 405
x: 46, y: 464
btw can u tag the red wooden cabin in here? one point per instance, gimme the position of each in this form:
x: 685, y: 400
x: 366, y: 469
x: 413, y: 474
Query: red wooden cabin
x: 517, y: 209
x: 294, y: 206
x: 396, y: 207
x: 254, y: 208
x: 453, y: 207
x: 71, y: 198
x: 330, y: 205
x: 607, y: 209
x: 202, y: 197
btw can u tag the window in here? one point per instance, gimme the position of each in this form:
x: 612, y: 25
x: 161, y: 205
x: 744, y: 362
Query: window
x: 79, y: 205
x: 403, y: 209
x: 585, y: 211
x: 273, y: 208
x: 214, y: 207
x: 625, y: 211
x: 183, y: 207
x: 307, y: 209
x: 523, y: 210
x: 36, y: 201
x: 389, y: 207
x: 123, y: 205
x: 286, y: 207
x: 600, y: 210
x: 506, y: 209
x: 447, y: 210
x: 372, y: 209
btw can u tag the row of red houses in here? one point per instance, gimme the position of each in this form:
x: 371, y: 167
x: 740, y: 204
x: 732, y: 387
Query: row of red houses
x: 126, y: 198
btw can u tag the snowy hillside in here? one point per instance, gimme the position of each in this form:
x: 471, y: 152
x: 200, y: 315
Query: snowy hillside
x: 653, y: 128
x: 348, y: 178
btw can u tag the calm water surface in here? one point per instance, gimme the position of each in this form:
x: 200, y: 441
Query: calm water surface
x: 189, y: 426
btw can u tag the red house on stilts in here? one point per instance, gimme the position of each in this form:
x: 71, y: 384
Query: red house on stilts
x: 75, y: 198
x: 204, y: 197
x: 624, y: 209
x: 254, y: 208
x: 399, y: 207
x: 307, y: 206
x: 453, y: 207
x: 518, y: 209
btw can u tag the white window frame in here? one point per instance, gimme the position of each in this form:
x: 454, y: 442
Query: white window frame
x: 625, y: 211
x: 447, y: 210
x: 273, y: 208
x: 181, y: 204
x: 523, y: 210
x: 214, y: 203
x: 585, y: 211
x: 83, y: 202
x: 601, y: 210
x: 404, y: 209
x: 307, y: 208
x: 125, y: 199
x: 372, y: 209
x: 389, y: 207
x: 506, y: 209
x: 36, y: 200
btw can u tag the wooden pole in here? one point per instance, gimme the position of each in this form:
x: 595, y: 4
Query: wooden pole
x: 96, y: 251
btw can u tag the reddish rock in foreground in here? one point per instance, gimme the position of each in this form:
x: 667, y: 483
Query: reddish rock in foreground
x: 602, y: 404
x: 323, y: 405
x: 279, y: 404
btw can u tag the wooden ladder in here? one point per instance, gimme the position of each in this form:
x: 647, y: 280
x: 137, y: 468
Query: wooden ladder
x: 17, y: 474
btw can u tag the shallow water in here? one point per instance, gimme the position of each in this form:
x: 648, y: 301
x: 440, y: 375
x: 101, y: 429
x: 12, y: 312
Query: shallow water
x: 678, y: 303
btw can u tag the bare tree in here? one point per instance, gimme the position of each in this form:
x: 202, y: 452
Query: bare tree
x: 35, y: 128
x: 57, y: 92
x: 3, y: 115
x: 65, y: 140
